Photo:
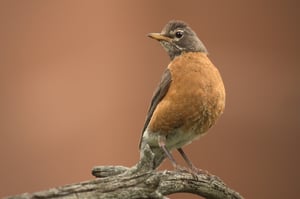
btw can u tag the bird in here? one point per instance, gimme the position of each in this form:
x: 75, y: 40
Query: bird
x: 189, y: 99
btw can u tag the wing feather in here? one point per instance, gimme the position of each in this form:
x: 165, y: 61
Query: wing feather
x: 158, y: 95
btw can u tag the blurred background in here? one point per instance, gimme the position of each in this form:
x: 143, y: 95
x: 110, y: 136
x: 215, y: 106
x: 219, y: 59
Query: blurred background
x: 76, y: 79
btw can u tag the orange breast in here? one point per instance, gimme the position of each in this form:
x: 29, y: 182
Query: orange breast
x: 195, y: 99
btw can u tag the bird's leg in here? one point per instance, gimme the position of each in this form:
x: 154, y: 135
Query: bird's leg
x: 162, y: 144
x: 190, y: 164
x: 187, y: 160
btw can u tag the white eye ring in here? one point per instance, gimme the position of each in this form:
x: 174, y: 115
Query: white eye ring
x: 179, y: 34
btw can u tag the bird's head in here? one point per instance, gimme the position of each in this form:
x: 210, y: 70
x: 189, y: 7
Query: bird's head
x: 177, y: 37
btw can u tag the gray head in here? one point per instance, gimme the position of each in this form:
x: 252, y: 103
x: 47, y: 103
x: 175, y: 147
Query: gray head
x: 177, y: 37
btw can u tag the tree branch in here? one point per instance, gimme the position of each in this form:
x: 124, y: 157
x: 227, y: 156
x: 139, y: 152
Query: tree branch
x: 140, y: 181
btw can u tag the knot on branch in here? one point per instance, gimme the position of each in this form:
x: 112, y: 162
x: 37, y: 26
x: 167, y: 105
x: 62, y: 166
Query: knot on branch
x: 145, y: 164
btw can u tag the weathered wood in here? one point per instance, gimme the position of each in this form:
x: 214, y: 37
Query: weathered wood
x: 139, y: 181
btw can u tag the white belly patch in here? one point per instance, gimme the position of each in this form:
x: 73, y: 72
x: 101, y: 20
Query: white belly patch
x: 175, y: 140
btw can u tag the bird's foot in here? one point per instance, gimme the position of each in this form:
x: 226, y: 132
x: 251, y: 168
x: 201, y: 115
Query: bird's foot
x: 196, y: 171
x: 199, y: 171
x: 182, y: 169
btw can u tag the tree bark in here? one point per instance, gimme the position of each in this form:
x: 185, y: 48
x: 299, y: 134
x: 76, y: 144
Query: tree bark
x: 140, y: 181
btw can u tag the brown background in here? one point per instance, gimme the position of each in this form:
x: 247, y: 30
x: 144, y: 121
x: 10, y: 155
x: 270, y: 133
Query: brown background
x: 76, y: 79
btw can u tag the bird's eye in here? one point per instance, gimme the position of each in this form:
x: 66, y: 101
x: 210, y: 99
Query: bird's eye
x: 179, y: 34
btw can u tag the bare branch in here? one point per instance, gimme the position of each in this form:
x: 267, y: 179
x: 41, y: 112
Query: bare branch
x: 139, y: 181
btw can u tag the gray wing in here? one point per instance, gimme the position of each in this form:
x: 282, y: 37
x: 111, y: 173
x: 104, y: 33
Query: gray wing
x: 158, y: 95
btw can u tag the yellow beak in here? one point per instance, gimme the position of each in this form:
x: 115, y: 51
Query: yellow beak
x: 159, y: 37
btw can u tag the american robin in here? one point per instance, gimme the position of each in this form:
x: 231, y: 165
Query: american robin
x: 189, y: 99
